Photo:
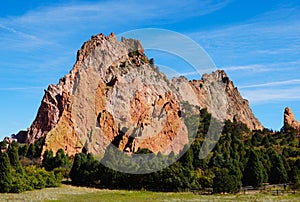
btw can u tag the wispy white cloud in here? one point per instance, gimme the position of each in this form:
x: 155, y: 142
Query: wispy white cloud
x: 14, y: 31
x: 254, y: 67
x: 272, y: 84
x: 256, y: 40
x: 14, y: 39
x: 22, y: 88
x: 260, y: 96
x: 264, y: 67
x: 186, y: 74
x: 56, y: 22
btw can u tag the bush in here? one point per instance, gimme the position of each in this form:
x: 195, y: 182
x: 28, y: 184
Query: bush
x: 19, y: 183
x: 62, y: 172
x: 40, y: 178
x: 225, y: 183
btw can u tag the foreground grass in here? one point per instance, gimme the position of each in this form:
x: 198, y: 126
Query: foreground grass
x: 70, y: 193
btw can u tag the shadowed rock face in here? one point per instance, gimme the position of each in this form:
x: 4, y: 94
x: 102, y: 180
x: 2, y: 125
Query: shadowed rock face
x: 289, y: 119
x: 114, y: 95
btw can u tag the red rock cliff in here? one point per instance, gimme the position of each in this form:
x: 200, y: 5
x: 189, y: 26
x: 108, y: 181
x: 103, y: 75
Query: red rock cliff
x: 113, y: 94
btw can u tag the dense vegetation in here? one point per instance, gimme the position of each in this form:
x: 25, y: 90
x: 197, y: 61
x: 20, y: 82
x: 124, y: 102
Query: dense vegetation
x: 20, y: 169
x: 240, y: 158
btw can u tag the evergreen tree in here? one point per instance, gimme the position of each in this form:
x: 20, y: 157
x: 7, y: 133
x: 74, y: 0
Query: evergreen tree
x: 278, y: 173
x: 187, y: 158
x: 295, y: 174
x: 61, y: 159
x: 254, y: 141
x: 5, y: 173
x: 31, y: 151
x: 253, y: 173
x: 91, y: 168
x: 23, y: 150
x: 234, y: 170
x: 174, y: 178
x: 38, y: 147
x: 14, y: 157
x: 48, y: 162
x: 265, y: 141
x: 224, y: 182
x: 77, y: 168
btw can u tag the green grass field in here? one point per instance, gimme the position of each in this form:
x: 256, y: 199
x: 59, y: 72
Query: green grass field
x: 70, y: 193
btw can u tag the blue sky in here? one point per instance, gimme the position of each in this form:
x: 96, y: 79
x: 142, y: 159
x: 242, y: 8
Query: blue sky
x: 256, y: 42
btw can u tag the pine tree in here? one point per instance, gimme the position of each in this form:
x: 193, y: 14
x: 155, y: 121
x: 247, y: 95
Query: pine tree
x: 254, y: 141
x: 38, y: 147
x: 265, y: 141
x: 224, y: 182
x: 31, y: 151
x: 61, y: 160
x: 23, y: 150
x: 48, y: 162
x: 278, y: 173
x: 91, y: 169
x: 77, y: 168
x: 5, y: 173
x: 253, y: 173
x: 295, y: 174
x: 14, y: 157
x: 187, y: 158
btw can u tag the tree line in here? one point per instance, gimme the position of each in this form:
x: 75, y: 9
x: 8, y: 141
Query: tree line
x: 240, y: 158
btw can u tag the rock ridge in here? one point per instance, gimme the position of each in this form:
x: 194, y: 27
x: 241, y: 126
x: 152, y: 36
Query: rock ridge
x: 115, y: 95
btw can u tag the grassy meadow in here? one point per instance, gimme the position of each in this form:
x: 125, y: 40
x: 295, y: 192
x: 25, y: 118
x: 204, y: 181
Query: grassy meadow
x: 71, y: 193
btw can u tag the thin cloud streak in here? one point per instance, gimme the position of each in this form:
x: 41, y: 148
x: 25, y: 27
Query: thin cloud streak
x: 31, y: 30
x: 255, y: 67
x: 22, y: 88
x: 68, y: 15
x: 279, y: 66
x: 272, y: 84
x: 256, y: 40
x: 260, y: 96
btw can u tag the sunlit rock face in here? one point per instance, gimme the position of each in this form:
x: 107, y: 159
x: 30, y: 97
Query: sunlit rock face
x: 114, y: 94
x: 289, y: 119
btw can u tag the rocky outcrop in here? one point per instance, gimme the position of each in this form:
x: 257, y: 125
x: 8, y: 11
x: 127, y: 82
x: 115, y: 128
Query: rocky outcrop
x: 219, y: 95
x: 114, y: 95
x: 238, y: 109
x: 289, y: 119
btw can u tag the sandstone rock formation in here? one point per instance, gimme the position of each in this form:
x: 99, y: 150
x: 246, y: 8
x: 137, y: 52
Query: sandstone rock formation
x: 289, y: 119
x: 237, y: 108
x: 217, y: 93
x: 114, y: 95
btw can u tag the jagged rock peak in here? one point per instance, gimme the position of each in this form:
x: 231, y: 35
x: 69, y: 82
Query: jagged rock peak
x: 98, y: 40
x: 111, y: 94
x: 289, y: 118
x: 216, y: 92
x: 114, y: 94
